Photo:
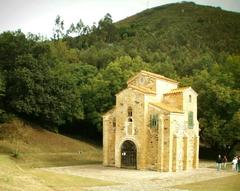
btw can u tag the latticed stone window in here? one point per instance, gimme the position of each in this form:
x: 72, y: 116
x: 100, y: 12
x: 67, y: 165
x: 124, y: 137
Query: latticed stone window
x: 190, y: 119
x: 154, y: 121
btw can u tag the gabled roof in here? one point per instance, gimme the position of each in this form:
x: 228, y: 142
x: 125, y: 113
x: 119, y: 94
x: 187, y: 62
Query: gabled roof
x: 139, y: 89
x: 179, y: 90
x: 166, y: 107
x: 142, y: 89
x: 157, y: 76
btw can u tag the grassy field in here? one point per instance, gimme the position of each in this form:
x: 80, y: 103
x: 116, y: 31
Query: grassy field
x: 37, y: 147
x: 230, y: 183
x: 15, y: 178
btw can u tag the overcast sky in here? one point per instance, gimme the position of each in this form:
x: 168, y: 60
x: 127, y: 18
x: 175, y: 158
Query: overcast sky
x: 37, y: 16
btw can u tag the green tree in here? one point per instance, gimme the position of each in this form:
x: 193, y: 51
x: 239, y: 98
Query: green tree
x: 12, y: 45
x: 218, y: 103
x: 232, y: 66
x: 58, y: 30
x: 107, y: 30
x: 79, y: 27
x: 71, y: 30
x: 2, y: 95
x: 2, y: 86
x: 60, y: 51
x: 231, y: 131
x: 44, y: 93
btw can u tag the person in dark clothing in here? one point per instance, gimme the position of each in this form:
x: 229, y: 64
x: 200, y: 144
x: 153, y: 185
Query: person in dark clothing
x: 219, y: 163
x: 224, y: 161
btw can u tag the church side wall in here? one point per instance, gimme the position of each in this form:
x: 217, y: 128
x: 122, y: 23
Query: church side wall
x: 190, y: 105
x: 105, y: 140
x: 108, y: 141
x: 178, y: 130
x: 167, y: 137
x: 152, y: 140
x: 175, y: 100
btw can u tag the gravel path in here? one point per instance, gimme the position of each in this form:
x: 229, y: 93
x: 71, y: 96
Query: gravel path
x: 138, y: 180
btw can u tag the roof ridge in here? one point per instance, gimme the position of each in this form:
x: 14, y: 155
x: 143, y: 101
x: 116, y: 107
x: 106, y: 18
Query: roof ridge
x: 153, y: 75
x: 177, y: 90
x: 158, y: 76
x: 166, y: 107
x: 142, y: 89
x: 180, y: 88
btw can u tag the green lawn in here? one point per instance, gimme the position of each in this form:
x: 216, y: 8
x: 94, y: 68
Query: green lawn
x: 40, y: 148
x: 230, y: 183
x: 59, y: 181
x: 15, y: 178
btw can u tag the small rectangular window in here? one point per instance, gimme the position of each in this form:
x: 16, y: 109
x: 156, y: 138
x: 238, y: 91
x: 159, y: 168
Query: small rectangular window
x: 114, y: 122
x: 190, y: 119
x: 154, y: 121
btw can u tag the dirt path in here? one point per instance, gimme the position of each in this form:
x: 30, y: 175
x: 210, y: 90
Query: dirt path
x: 137, y: 180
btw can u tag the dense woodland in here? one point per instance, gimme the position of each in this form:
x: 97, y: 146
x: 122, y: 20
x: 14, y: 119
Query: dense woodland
x: 67, y: 82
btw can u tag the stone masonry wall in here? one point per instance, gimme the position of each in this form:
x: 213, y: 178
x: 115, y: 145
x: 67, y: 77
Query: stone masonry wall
x: 172, y: 146
x: 130, y: 129
x: 152, y: 140
x: 109, y: 140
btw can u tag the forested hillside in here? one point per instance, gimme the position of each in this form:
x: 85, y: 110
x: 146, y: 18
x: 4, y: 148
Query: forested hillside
x: 69, y: 81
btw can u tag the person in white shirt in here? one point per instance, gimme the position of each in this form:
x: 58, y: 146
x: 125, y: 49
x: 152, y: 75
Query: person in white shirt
x: 234, y: 163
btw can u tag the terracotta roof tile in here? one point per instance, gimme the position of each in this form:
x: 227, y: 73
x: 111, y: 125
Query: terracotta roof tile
x: 167, y: 107
x: 142, y: 89
x: 177, y: 90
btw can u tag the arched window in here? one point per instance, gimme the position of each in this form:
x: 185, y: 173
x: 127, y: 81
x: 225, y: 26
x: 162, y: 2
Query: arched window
x: 130, y: 114
x: 190, y: 98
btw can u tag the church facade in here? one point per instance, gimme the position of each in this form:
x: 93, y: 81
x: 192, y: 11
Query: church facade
x: 153, y: 126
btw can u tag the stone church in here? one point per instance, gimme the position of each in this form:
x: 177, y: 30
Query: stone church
x: 153, y: 126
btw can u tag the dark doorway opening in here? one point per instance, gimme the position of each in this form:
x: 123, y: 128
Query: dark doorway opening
x: 129, y: 155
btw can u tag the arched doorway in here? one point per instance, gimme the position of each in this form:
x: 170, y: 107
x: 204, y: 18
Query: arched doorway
x: 128, y: 155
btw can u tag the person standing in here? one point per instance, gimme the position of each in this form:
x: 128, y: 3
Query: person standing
x: 238, y: 164
x: 234, y: 163
x: 224, y: 162
x: 219, y: 163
